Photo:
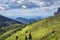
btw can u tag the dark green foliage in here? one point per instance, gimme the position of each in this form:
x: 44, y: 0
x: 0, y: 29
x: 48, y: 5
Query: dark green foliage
x: 14, y: 28
x: 26, y: 37
x: 26, y: 31
x: 2, y: 31
x: 9, y: 35
x: 30, y: 36
x: 17, y: 37
x: 53, y: 31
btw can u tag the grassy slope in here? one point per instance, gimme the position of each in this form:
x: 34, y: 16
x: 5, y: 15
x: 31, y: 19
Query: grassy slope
x: 10, y: 30
x: 46, y: 29
x: 12, y: 27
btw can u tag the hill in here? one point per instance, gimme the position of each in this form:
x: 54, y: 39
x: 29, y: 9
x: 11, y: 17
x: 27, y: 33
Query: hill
x: 5, y: 32
x: 7, y: 24
x: 46, y: 29
x: 4, y: 21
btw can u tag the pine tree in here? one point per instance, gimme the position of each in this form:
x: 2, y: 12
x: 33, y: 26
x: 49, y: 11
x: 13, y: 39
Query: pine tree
x: 26, y: 38
x: 16, y: 37
x: 30, y: 36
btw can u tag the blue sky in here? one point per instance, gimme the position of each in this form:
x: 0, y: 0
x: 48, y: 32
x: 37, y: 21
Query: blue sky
x: 28, y: 8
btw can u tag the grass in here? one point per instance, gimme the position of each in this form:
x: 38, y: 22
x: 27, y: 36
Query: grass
x: 10, y: 30
x: 46, y: 29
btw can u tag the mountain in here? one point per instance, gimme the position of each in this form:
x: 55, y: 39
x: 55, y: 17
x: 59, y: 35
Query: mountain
x: 24, y: 20
x: 4, y: 21
x: 58, y: 11
x: 45, y: 29
x: 28, y: 21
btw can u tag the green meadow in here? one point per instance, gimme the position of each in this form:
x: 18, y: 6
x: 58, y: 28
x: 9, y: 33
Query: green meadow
x: 45, y: 29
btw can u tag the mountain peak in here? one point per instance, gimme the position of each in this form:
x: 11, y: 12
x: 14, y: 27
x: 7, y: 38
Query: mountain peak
x: 58, y: 11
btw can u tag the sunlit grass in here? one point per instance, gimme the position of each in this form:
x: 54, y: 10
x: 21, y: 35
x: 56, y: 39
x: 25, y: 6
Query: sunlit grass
x: 46, y: 29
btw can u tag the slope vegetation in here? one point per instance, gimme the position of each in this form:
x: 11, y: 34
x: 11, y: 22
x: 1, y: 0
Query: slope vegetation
x: 46, y: 29
x: 8, y: 31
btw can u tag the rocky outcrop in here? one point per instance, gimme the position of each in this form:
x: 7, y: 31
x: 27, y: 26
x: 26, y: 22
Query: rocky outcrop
x: 58, y: 12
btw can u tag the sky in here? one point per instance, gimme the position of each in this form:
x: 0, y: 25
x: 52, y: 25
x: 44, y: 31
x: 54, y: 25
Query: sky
x: 28, y: 8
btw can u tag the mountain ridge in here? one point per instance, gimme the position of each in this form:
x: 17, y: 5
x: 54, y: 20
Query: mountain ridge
x: 5, y: 21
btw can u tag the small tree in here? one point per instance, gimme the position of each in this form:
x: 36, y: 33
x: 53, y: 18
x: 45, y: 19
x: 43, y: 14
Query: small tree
x: 53, y: 31
x: 9, y: 35
x: 30, y: 36
x: 26, y: 37
x: 26, y: 31
x: 16, y: 37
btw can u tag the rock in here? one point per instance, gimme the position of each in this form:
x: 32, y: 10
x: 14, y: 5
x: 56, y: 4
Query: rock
x: 58, y: 11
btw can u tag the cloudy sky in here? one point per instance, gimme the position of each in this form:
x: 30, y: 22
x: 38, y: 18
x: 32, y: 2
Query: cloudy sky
x: 28, y: 8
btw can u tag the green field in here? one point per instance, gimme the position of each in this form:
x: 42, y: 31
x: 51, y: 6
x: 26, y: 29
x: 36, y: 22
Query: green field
x: 10, y: 30
x: 45, y: 29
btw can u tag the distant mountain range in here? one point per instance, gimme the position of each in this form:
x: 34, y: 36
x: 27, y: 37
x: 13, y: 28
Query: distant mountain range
x: 27, y: 21
x: 4, y: 21
x: 24, y: 20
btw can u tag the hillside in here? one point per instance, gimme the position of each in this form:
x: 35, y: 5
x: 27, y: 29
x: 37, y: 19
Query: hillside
x: 46, y: 29
x: 7, y: 24
x: 5, y: 32
x: 11, y: 27
x: 4, y: 21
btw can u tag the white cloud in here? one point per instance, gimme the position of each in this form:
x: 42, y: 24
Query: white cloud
x: 24, y: 6
x: 13, y: 0
x: 3, y: 7
x: 45, y: 8
x: 20, y: 1
x: 54, y: 6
